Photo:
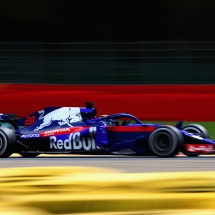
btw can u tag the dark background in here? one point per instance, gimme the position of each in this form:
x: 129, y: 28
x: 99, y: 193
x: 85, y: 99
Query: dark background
x: 101, y: 20
x: 107, y: 42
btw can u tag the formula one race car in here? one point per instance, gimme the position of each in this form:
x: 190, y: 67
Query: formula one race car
x: 61, y: 130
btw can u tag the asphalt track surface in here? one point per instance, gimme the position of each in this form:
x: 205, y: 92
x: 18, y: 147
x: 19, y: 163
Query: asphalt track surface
x: 120, y: 162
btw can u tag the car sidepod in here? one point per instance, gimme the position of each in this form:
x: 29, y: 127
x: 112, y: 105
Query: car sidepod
x: 132, y: 138
x: 64, y: 140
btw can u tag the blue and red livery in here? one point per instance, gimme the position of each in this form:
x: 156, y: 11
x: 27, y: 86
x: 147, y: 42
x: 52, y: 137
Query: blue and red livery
x: 70, y: 130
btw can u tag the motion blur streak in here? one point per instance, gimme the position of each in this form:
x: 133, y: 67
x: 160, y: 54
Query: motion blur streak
x: 148, y: 102
x: 82, y: 190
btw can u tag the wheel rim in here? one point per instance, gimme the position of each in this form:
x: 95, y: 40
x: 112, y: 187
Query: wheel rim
x: 3, y: 142
x: 163, y: 143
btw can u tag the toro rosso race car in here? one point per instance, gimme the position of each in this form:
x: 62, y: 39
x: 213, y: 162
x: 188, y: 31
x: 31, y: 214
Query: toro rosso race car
x: 61, y: 130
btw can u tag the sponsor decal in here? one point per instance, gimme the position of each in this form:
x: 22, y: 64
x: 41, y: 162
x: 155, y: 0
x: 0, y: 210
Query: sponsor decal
x: 204, y: 148
x: 55, y: 132
x: 30, y: 135
x: 62, y: 131
x: 65, y: 115
x: 75, y: 141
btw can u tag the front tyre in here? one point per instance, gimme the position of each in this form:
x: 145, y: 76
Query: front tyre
x: 165, y: 141
x: 197, y: 129
x: 7, y: 142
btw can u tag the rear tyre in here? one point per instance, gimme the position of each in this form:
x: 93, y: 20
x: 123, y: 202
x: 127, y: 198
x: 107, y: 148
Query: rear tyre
x: 198, y: 130
x: 7, y: 142
x: 28, y: 155
x: 166, y: 141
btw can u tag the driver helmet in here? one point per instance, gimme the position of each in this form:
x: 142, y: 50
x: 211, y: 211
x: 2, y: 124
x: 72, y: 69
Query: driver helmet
x: 109, y: 121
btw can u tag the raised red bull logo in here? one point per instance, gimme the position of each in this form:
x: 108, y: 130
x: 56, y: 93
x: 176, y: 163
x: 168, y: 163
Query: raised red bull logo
x: 65, y: 115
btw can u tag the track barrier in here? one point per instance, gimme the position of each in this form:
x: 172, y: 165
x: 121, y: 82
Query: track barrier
x: 147, y: 102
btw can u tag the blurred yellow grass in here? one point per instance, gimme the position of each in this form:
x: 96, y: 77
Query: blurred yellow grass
x: 32, y: 211
x: 70, y: 190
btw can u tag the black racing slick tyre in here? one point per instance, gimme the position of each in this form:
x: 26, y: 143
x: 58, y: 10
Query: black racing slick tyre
x: 166, y: 141
x: 195, y: 129
x: 28, y: 155
x: 7, y: 142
